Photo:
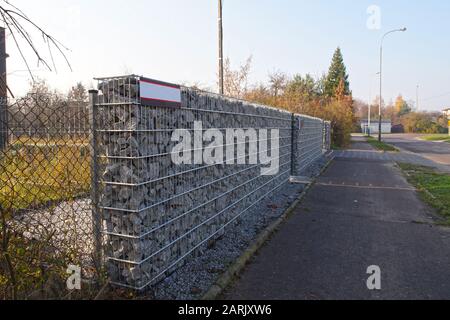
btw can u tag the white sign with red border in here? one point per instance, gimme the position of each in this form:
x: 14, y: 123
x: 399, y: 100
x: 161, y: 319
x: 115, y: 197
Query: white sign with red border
x: 159, y: 94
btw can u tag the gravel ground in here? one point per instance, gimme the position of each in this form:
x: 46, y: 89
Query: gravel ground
x: 194, y: 279
x: 66, y: 225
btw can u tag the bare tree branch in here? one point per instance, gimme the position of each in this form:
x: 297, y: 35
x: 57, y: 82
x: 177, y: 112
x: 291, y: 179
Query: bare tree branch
x: 20, y: 26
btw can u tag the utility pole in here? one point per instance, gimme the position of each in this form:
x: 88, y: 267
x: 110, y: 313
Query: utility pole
x: 417, y: 98
x: 3, y: 92
x: 220, y: 49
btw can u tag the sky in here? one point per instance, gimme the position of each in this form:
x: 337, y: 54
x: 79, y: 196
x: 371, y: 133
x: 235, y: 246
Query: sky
x: 176, y: 41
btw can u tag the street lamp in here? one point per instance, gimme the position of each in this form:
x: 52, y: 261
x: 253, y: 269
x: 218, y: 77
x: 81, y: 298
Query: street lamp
x: 381, y: 77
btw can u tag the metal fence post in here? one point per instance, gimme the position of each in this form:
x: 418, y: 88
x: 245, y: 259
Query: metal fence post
x: 324, y: 135
x: 3, y: 92
x: 328, y: 135
x: 293, y: 144
x: 96, y: 218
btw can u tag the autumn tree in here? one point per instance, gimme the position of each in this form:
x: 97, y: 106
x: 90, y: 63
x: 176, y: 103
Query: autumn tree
x: 236, y: 81
x: 260, y: 93
x: 401, y: 106
x: 442, y: 122
x: 304, y: 93
x: 278, y: 82
x: 327, y: 97
x: 341, y: 115
x: 423, y: 122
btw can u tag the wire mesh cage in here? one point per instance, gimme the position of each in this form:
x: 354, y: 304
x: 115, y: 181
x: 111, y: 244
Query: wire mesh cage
x: 156, y: 213
x: 308, y: 141
x: 327, y: 135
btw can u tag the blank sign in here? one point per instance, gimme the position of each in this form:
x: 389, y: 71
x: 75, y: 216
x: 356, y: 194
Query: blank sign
x: 159, y: 94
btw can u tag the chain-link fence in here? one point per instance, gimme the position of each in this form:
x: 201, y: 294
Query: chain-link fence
x: 45, y: 176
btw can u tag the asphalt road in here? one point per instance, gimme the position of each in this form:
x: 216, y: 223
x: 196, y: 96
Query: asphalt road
x: 362, y: 212
x: 438, y: 152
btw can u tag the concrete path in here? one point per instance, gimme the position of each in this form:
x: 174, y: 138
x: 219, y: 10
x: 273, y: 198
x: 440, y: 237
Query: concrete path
x: 359, y: 143
x: 361, y: 212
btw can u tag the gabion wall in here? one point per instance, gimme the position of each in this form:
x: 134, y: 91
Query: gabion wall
x: 308, y: 139
x: 327, y: 135
x: 156, y: 213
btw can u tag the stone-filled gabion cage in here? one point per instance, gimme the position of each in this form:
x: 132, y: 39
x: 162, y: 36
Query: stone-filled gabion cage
x: 309, y: 143
x: 156, y: 213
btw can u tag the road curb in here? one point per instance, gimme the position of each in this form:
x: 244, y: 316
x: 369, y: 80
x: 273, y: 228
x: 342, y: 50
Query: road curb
x: 236, y: 268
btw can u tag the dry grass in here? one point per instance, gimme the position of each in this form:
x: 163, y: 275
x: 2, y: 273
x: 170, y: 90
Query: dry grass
x: 34, y: 172
x: 37, y: 174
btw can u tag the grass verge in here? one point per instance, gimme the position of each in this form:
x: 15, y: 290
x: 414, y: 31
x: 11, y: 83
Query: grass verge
x: 437, y: 137
x: 381, y: 145
x: 433, y: 186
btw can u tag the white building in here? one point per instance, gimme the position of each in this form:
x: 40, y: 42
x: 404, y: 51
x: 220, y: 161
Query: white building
x: 447, y: 112
x: 386, y: 126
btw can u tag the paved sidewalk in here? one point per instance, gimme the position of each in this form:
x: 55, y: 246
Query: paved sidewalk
x: 362, y: 212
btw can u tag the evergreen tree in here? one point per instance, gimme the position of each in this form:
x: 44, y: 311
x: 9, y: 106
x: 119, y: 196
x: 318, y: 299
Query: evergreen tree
x: 337, y: 78
x: 307, y: 87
